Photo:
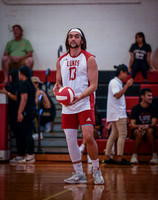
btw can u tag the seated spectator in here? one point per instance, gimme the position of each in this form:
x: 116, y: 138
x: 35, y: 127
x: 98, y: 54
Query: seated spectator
x: 49, y: 110
x: 143, y: 123
x: 140, y: 53
x: 18, y: 52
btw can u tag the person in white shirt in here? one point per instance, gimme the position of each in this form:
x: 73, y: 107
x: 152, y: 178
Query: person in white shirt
x: 116, y: 114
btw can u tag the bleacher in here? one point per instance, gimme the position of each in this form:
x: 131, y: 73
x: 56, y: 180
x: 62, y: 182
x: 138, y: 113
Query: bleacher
x: 55, y: 142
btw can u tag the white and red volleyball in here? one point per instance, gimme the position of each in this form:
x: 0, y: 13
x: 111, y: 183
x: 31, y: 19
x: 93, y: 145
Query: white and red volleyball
x: 65, y: 95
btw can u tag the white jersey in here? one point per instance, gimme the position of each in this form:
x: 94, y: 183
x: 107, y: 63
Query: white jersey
x: 75, y: 75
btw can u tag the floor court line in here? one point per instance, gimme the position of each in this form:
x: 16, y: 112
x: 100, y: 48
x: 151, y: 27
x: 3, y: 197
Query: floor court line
x: 62, y: 192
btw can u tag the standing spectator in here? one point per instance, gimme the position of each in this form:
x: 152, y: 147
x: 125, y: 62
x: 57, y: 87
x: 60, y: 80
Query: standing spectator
x: 78, y: 70
x: 26, y: 112
x: 10, y: 90
x: 116, y: 114
x: 18, y: 52
x: 140, y: 53
x: 49, y: 110
x: 143, y: 123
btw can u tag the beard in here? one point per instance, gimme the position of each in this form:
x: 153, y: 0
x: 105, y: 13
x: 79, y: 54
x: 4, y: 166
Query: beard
x: 74, y: 47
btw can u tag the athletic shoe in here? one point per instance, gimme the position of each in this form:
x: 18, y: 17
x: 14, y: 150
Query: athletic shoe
x: 134, y: 159
x: 16, y: 159
x: 110, y: 161
x: 76, y: 178
x: 123, y: 162
x: 28, y: 159
x: 154, y: 161
x: 97, y: 175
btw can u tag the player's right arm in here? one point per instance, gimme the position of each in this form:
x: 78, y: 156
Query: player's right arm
x: 58, y: 83
x: 126, y: 86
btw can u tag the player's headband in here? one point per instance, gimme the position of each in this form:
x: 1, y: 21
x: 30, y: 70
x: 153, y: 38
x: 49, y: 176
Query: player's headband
x: 76, y: 30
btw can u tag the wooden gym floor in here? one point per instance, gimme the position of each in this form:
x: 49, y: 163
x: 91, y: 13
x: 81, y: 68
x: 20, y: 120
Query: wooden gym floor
x: 44, y: 180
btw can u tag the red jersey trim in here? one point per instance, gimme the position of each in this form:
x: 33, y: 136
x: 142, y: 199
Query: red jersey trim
x: 87, y: 55
x: 62, y: 56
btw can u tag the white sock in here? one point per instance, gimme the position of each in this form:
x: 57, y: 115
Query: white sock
x: 95, y: 163
x: 78, y: 167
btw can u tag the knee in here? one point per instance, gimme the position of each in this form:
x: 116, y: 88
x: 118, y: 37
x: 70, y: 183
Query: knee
x: 150, y: 133
x: 123, y: 135
x: 138, y: 135
x: 29, y: 62
x: 89, y: 138
x: 5, y: 59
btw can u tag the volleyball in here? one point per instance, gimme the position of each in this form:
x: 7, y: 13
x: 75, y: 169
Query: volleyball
x: 65, y: 95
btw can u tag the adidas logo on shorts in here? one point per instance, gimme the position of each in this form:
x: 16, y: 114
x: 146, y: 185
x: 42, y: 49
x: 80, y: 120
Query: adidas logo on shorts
x: 88, y: 120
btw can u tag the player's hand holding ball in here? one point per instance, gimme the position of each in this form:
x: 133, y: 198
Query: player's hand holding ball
x: 65, y: 95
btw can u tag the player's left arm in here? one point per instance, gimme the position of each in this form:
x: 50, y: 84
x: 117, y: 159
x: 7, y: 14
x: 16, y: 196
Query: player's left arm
x: 92, y: 69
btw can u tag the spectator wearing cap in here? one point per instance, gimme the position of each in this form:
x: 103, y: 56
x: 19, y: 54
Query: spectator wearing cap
x: 18, y: 52
x: 48, y: 108
x: 116, y: 114
x: 26, y: 111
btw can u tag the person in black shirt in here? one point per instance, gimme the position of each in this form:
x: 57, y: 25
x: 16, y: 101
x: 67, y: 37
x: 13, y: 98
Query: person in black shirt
x: 143, y: 122
x: 26, y: 112
x: 10, y: 90
x: 21, y: 93
x: 140, y: 53
x: 12, y: 87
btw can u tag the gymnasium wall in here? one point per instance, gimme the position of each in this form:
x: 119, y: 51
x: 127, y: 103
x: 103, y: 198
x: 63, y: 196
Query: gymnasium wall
x: 109, y: 26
